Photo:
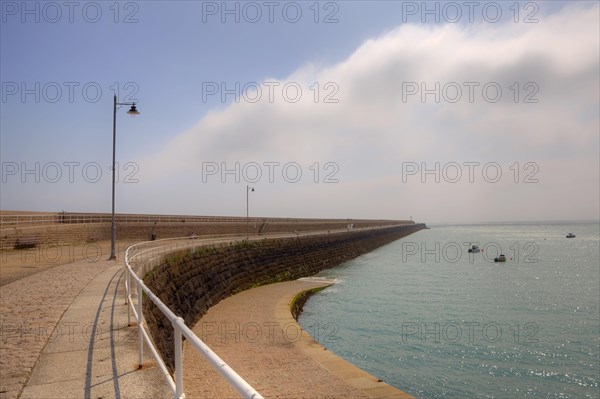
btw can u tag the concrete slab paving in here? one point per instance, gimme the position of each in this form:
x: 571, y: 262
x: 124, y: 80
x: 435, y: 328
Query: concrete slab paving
x: 84, y: 347
x: 280, y: 359
x: 96, y: 353
x: 132, y: 384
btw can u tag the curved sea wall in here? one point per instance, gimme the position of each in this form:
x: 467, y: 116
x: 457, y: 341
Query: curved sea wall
x: 190, y: 283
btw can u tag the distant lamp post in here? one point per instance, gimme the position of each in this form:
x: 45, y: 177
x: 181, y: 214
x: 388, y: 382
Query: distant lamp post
x: 248, y: 189
x: 133, y: 112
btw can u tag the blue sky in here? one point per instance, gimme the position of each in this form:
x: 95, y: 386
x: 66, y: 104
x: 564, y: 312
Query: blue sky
x: 357, y: 145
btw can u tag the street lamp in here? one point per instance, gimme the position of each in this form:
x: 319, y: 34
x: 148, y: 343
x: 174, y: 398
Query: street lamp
x: 133, y: 112
x: 248, y: 189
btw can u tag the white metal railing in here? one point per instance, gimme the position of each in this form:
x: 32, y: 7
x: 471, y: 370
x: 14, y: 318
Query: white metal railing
x: 12, y: 220
x: 149, y: 254
x: 145, y: 254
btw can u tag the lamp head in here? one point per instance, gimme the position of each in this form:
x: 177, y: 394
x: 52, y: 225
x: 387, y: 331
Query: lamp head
x: 133, y: 110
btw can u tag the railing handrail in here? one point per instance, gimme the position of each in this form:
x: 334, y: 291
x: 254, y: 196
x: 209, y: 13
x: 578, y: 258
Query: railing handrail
x: 179, y: 329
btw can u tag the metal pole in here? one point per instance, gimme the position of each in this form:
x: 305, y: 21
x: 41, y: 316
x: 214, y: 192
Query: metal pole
x: 128, y: 299
x: 140, y: 319
x: 178, y: 358
x: 114, y: 225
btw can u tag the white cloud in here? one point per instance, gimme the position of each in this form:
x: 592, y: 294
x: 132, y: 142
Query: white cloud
x: 370, y: 131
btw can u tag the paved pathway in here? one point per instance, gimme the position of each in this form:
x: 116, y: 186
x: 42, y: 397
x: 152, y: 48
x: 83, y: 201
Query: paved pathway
x: 64, y: 334
x: 61, y: 332
x: 30, y: 309
x: 256, y: 335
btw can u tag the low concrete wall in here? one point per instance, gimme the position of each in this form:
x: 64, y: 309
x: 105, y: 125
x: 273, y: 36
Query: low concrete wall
x: 191, y: 283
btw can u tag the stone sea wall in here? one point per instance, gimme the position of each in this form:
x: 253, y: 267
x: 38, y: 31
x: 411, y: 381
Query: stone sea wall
x: 190, y: 283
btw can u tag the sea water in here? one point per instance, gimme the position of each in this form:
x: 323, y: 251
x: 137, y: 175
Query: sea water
x: 428, y: 317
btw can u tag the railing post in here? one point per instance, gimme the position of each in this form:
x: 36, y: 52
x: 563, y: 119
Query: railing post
x: 140, y: 318
x: 128, y: 298
x: 178, y: 358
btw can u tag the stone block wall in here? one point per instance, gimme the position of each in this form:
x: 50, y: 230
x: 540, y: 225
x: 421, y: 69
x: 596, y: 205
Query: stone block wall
x: 190, y: 283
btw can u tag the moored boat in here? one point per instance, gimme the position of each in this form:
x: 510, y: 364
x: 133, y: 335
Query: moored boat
x: 500, y: 258
x: 474, y: 249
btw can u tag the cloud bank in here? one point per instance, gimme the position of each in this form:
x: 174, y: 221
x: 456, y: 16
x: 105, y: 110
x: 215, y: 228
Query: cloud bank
x: 521, y: 99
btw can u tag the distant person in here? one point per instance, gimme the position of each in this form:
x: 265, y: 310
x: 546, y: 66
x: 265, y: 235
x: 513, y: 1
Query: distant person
x: 153, y: 234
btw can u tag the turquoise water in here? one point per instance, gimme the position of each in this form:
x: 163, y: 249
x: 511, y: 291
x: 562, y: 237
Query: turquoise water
x: 431, y: 319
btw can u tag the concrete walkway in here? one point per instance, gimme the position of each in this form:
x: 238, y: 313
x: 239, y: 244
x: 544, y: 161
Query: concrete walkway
x: 254, y: 332
x: 65, y: 335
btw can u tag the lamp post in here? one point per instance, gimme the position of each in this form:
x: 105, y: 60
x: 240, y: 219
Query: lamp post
x: 132, y: 111
x: 248, y: 189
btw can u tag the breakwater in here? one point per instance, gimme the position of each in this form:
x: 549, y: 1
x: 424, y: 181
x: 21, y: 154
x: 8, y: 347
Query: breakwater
x: 190, y: 283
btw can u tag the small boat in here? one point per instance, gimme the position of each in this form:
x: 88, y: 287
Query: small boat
x: 500, y: 258
x: 474, y: 249
x: 570, y: 235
